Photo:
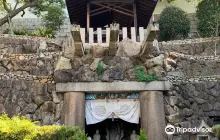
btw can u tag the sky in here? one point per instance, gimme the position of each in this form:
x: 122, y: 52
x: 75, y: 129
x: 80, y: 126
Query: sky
x: 28, y: 14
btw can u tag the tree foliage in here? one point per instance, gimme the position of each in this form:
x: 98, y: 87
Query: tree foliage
x: 54, y: 18
x: 173, y: 22
x: 208, y: 13
x: 37, y: 6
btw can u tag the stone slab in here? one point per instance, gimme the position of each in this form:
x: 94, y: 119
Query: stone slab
x: 74, y: 109
x: 113, y: 87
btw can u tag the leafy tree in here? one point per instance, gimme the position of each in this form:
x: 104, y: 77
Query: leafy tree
x: 173, y: 23
x: 208, y: 13
x: 54, y: 18
x: 37, y: 6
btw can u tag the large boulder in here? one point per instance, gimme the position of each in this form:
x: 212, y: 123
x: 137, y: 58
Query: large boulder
x: 63, y: 63
x: 62, y: 76
x: 175, y: 118
x: 30, y: 108
x: 85, y: 74
x: 127, y: 48
x: 98, y: 51
x: 87, y: 59
x: 158, y: 71
x: 116, y: 74
x: 156, y: 61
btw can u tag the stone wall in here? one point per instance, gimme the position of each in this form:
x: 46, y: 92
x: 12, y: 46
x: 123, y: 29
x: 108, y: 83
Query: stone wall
x: 201, y: 46
x: 37, y: 101
x: 187, y: 104
x: 200, y: 67
x: 26, y: 78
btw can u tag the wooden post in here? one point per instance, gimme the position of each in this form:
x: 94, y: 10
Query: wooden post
x: 114, y: 35
x: 135, y: 16
x: 88, y: 17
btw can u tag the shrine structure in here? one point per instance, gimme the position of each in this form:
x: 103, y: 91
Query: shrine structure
x: 112, y: 109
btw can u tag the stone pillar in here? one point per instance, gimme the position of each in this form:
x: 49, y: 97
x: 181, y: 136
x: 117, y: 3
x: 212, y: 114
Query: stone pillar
x: 79, y: 50
x: 114, y: 33
x: 74, y: 109
x: 153, y: 115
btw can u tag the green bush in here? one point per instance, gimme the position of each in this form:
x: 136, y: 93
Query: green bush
x: 173, y: 22
x: 142, y: 76
x: 20, y: 128
x: 207, y: 13
x: 142, y: 136
x: 39, y: 32
x: 216, y: 130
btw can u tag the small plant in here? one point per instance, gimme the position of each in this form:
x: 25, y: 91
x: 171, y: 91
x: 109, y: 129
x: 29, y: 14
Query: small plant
x: 173, y: 23
x: 142, y: 136
x: 216, y: 130
x: 39, y: 32
x: 142, y: 76
x: 100, y: 69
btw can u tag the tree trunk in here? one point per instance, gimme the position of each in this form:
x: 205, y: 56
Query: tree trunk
x: 15, y: 12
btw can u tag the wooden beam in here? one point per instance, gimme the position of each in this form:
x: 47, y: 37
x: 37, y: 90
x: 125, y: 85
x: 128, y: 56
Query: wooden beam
x: 135, y: 16
x: 120, y: 7
x: 88, y: 17
x: 115, y: 6
x: 119, y: 11
x: 95, y: 10
x: 99, y: 12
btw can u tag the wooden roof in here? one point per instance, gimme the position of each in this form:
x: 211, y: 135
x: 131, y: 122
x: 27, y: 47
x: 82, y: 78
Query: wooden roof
x: 78, y: 13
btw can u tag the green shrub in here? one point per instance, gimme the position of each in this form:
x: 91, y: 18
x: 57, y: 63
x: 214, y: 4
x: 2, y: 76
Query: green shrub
x: 142, y: 136
x: 216, y: 130
x: 39, y: 32
x: 207, y: 13
x: 173, y: 22
x: 142, y: 76
x: 20, y: 128
x: 69, y: 133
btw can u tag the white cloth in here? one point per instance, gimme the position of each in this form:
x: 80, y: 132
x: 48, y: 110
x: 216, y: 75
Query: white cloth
x: 99, y: 110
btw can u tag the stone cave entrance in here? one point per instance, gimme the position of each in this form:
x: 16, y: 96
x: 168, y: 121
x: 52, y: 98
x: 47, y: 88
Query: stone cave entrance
x: 113, y: 129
